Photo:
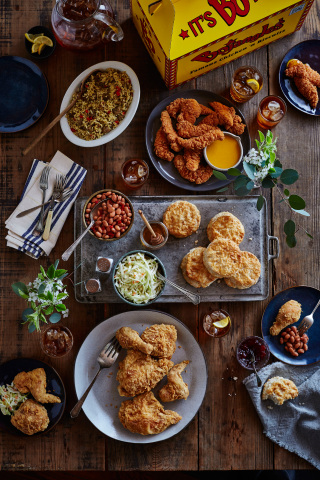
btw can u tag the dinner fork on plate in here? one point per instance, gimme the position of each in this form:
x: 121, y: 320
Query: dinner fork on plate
x: 57, y: 191
x: 106, y: 359
x: 43, y: 184
x: 307, y: 321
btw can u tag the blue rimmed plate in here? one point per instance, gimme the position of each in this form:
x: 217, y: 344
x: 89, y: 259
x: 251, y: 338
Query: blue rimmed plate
x: 24, y: 94
x: 307, y: 52
x: 308, y: 298
x: 55, y: 386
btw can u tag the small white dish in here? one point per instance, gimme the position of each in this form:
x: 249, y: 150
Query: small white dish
x: 238, y: 139
x: 125, y: 122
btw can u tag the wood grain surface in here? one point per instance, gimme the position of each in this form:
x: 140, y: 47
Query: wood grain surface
x: 226, y: 433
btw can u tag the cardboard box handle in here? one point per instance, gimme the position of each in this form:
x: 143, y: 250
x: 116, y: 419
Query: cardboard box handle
x: 154, y: 6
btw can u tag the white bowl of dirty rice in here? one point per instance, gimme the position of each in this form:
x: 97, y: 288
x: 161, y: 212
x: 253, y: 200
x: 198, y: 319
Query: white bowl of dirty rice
x: 106, y: 107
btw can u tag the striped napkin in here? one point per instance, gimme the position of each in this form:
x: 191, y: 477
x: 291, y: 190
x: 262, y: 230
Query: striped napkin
x: 20, y: 230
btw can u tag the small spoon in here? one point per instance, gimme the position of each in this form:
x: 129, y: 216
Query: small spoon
x: 253, y: 362
x: 156, y: 238
x: 72, y: 247
x: 62, y: 114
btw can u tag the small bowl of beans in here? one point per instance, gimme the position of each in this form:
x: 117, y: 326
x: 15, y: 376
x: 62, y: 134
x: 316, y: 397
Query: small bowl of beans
x: 115, y: 217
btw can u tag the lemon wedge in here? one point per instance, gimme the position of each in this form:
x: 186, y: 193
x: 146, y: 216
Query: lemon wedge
x: 253, y: 84
x: 31, y: 37
x: 34, y: 48
x: 293, y: 62
x: 43, y: 39
x: 41, y: 47
x: 222, y: 323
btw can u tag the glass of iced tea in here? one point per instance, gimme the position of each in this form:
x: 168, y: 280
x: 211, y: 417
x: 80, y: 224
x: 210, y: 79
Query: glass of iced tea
x: 245, y: 83
x: 217, y: 323
x: 271, y: 110
x: 135, y: 172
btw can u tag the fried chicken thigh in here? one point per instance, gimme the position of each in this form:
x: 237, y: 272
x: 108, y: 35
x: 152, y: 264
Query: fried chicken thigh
x: 35, y: 382
x: 163, y: 338
x: 176, y: 388
x: 30, y: 418
x: 129, y: 338
x: 139, y: 373
x: 145, y: 415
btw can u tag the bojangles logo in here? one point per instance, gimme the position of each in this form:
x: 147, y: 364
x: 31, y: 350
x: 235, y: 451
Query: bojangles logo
x: 209, y: 55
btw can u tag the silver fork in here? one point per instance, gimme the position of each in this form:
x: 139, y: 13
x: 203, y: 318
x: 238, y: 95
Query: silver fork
x: 43, y: 184
x: 106, y: 359
x: 57, y: 191
x: 307, y: 321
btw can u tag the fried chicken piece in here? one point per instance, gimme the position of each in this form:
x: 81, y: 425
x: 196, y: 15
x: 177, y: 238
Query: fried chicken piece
x: 162, y: 337
x: 224, y: 113
x: 30, y: 418
x: 306, y: 80
x: 201, y: 175
x: 190, y: 110
x: 205, y: 110
x: 162, y: 146
x: 187, y: 130
x: 35, y: 382
x: 129, y: 338
x: 144, y: 414
x: 192, y: 158
x: 289, y: 313
x: 211, y: 119
x: 168, y: 129
x: 139, y: 373
x: 175, y: 107
x: 237, y: 127
x: 198, y: 143
x: 176, y: 388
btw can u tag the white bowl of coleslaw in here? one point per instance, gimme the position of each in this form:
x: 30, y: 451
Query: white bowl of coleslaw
x: 135, y: 278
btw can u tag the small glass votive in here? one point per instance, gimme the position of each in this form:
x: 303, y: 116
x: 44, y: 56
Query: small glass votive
x: 104, y: 264
x: 93, y: 286
x: 159, y: 228
x: 271, y: 111
x: 56, y: 340
x: 134, y: 172
x: 258, y: 347
x: 217, y: 323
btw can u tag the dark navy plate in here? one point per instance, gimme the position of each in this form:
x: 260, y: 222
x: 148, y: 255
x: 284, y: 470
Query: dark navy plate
x: 55, y: 386
x: 166, y: 169
x: 24, y: 93
x: 308, y: 298
x: 307, y: 52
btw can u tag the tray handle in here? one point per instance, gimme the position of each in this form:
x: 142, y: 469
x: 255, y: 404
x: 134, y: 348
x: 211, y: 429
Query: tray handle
x: 271, y: 256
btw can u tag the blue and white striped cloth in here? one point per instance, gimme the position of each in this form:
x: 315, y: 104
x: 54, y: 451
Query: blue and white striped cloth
x: 20, y: 230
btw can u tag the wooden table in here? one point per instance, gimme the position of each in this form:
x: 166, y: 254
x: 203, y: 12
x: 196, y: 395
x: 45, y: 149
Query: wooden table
x: 226, y: 433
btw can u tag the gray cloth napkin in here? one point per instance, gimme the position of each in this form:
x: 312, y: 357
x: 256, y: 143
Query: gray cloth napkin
x: 295, y: 425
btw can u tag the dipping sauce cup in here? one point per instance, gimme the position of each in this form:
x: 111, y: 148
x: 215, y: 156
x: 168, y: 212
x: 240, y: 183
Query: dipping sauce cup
x: 224, y: 154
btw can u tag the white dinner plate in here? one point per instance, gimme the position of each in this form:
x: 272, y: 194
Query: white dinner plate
x: 125, y: 122
x: 103, y: 402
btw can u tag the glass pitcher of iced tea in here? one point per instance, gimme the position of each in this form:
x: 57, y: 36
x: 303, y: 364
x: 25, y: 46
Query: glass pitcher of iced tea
x: 82, y: 25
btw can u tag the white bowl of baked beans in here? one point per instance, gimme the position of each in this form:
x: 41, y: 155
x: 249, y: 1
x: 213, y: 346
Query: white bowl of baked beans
x: 114, y: 218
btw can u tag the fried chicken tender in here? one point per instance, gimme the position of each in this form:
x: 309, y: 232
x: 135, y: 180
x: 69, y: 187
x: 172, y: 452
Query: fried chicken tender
x: 211, y: 119
x: 168, y: 129
x: 162, y: 146
x: 192, y: 158
x: 187, y: 130
x: 129, y: 338
x: 190, y: 110
x: 201, y: 175
x: 35, y: 382
x: 289, y: 313
x: 198, y: 143
x: 144, y: 414
x: 162, y: 337
x: 226, y: 117
x: 224, y: 113
x: 238, y: 127
x: 30, y: 418
x: 139, y: 373
x: 205, y: 110
x: 176, y: 388
x: 175, y: 107
x: 306, y: 80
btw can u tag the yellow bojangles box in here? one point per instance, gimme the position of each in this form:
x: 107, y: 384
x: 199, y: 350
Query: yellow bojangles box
x: 187, y: 38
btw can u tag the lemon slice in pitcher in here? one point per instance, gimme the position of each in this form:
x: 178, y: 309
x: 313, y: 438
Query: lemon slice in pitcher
x: 222, y: 323
x: 43, y: 39
x: 252, y: 83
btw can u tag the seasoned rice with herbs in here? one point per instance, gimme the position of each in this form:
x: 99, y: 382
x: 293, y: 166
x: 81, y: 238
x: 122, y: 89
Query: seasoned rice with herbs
x: 103, y: 105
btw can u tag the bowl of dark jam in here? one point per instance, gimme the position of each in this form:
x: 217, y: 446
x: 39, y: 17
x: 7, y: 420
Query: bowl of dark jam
x: 258, y: 347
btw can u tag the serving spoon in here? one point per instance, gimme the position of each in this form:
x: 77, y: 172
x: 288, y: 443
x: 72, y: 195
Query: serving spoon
x: 62, y: 114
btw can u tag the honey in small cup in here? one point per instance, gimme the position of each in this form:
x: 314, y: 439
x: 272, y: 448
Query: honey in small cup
x: 224, y: 154
x: 158, y: 228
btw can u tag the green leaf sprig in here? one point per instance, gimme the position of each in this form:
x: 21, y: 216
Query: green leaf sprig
x: 44, y: 296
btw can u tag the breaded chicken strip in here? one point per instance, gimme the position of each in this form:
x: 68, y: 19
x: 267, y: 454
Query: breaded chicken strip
x: 238, y: 127
x: 168, y: 129
x: 129, y: 338
x: 145, y: 415
x: 211, y: 119
x: 162, y: 146
x: 35, y: 382
x: 289, y: 313
x: 201, y: 175
x: 192, y: 158
x: 176, y: 388
x: 198, y: 143
x: 306, y: 80
x: 225, y: 114
x: 187, y: 130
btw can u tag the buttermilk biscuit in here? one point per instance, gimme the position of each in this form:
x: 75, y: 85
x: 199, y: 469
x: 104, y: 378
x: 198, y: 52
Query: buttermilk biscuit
x: 182, y: 218
x: 279, y: 389
x: 248, y: 273
x: 195, y: 268
x: 288, y: 314
x: 225, y: 225
x: 222, y: 258
x: 183, y: 267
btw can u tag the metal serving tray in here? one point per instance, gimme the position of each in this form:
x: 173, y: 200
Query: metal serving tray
x: 256, y: 240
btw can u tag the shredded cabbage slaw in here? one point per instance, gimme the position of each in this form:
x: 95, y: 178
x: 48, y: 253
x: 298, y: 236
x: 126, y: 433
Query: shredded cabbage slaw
x: 136, y: 278
x: 10, y: 399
